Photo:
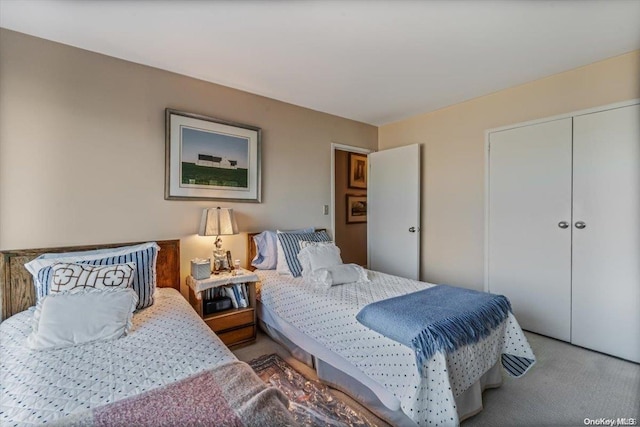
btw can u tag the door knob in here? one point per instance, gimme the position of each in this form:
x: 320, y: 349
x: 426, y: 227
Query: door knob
x: 412, y: 230
x: 580, y: 225
x: 563, y: 224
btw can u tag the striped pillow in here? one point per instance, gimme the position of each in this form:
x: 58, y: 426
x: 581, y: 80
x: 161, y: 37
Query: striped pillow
x: 291, y: 246
x: 144, y: 275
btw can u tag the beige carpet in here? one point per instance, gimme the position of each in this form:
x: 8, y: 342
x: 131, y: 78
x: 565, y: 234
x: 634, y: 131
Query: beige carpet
x: 567, y: 385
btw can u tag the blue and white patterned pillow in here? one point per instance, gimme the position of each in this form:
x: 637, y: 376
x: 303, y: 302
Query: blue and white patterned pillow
x: 291, y: 246
x: 144, y: 276
x: 72, y: 277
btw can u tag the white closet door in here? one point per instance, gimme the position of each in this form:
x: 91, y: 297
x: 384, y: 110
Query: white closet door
x: 529, y: 195
x: 606, y: 252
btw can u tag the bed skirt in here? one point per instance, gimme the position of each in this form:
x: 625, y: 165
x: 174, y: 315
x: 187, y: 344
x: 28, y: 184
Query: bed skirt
x: 340, y: 374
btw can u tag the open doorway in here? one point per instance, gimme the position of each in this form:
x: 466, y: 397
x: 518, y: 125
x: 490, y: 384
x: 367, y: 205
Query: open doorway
x: 349, y: 201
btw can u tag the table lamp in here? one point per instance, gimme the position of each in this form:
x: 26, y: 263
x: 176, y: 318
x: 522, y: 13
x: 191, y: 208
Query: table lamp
x: 218, y: 222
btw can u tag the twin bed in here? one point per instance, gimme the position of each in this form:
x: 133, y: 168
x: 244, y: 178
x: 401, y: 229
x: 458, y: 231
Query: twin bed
x: 170, y: 369
x: 320, y: 328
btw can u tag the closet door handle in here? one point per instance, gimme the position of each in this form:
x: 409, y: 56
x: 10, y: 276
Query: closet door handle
x: 563, y: 224
x: 580, y: 225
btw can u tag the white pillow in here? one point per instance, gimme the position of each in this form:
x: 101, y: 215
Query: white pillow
x: 315, y: 255
x: 323, y: 256
x: 68, y: 319
x: 79, y: 277
x: 73, y: 254
x: 266, y: 250
x: 48, y: 259
x: 341, y: 274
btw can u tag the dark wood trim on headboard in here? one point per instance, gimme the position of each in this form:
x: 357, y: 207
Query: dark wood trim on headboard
x: 251, y: 248
x: 16, y: 284
x: 251, y: 251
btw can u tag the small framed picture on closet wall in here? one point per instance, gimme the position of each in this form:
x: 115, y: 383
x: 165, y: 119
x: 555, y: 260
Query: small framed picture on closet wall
x: 356, y: 208
x: 357, y: 170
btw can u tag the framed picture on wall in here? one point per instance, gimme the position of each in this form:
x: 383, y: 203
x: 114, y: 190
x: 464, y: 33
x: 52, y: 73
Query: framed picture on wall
x: 356, y: 208
x: 211, y: 159
x: 357, y: 170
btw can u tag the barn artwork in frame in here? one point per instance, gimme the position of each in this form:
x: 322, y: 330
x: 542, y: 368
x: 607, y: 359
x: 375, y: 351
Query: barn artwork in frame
x: 211, y: 159
x: 356, y: 208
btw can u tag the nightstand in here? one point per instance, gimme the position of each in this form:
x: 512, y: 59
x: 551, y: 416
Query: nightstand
x: 234, y: 326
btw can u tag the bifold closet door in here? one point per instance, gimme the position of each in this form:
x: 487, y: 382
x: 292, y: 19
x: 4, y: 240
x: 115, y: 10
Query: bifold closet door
x: 529, y: 257
x: 606, y: 232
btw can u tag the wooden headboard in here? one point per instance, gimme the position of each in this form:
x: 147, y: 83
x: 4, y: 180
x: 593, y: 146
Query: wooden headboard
x: 251, y: 249
x: 17, y: 292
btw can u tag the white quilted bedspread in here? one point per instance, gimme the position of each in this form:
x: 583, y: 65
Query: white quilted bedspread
x: 168, y: 342
x: 329, y: 317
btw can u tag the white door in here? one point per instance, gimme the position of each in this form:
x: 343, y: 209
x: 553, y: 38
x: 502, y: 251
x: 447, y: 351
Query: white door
x: 393, y: 211
x: 606, y: 251
x: 530, y: 224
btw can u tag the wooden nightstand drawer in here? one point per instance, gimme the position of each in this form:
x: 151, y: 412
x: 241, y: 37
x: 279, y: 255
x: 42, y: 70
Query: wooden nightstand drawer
x: 237, y: 336
x: 231, y: 320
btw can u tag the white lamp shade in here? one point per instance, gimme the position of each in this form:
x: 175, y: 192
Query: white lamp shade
x: 218, y: 222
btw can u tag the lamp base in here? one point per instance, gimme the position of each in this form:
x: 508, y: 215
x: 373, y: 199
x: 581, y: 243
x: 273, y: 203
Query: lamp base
x: 221, y: 260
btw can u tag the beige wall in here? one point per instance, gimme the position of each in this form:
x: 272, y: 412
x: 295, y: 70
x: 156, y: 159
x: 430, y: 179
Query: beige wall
x: 82, y: 151
x: 453, y: 159
x: 350, y: 238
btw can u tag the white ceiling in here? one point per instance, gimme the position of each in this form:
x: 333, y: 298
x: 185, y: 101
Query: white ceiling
x: 372, y: 61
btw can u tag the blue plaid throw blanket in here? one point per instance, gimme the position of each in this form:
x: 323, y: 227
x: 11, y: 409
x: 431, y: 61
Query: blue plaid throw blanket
x: 441, y: 318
